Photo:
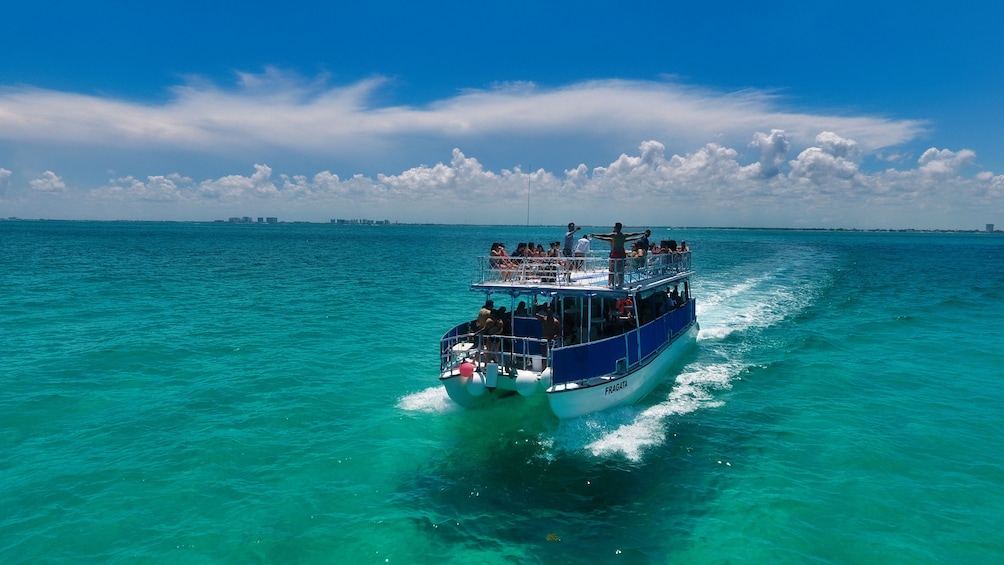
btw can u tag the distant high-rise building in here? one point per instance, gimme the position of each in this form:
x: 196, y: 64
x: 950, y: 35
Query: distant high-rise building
x: 990, y: 228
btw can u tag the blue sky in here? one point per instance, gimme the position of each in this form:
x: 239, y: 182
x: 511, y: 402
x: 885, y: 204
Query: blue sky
x: 783, y: 114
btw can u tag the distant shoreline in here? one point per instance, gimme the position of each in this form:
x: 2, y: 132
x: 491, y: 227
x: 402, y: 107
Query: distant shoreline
x: 384, y: 224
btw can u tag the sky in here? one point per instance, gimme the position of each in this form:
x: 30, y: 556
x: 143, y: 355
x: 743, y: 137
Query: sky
x: 866, y: 115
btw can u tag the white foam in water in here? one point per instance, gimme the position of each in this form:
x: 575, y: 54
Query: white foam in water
x: 726, y: 307
x: 433, y: 400
x: 692, y: 391
x: 753, y: 303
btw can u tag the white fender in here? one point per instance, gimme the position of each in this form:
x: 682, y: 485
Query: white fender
x: 526, y: 384
x: 545, y: 379
x: 492, y: 375
x: 476, y: 386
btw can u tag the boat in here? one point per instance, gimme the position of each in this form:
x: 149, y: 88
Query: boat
x: 623, y: 325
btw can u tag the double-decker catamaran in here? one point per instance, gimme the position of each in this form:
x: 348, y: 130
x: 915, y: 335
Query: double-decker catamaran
x: 588, y: 332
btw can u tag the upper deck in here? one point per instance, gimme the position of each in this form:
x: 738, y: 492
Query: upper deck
x: 594, y: 274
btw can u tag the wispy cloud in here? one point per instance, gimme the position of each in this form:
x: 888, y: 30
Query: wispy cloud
x: 276, y: 109
x: 709, y: 158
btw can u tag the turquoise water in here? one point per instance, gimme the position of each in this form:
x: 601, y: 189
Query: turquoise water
x: 214, y: 393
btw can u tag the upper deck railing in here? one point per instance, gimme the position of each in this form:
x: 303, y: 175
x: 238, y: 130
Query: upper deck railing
x: 592, y: 270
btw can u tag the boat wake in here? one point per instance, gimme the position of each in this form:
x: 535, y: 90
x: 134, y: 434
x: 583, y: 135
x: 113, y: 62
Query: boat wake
x: 432, y: 400
x: 732, y: 311
x: 628, y: 432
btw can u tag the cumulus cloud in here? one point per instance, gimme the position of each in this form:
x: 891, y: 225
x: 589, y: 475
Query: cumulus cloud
x: 709, y: 186
x: 773, y: 148
x: 833, y: 144
x: 943, y: 163
x: 258, y: 184
x: 4, y: 180
x: 49, y: 182
x: 830, y: 160
x: 822, y: 187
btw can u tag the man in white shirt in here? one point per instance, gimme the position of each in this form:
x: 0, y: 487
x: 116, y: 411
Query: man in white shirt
x: 581, y: 250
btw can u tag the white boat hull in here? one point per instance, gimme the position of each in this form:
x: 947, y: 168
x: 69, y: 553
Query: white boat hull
x: 574, y: 399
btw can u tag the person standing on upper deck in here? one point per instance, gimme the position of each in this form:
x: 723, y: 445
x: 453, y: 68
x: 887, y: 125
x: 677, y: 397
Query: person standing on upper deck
x: 617, y: 239
x: 643, y: 242
x: 566, y: 249
x: 580, y: 251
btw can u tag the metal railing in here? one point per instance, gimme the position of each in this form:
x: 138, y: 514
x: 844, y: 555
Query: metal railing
x: 510, y: 352
x: 592, y: 270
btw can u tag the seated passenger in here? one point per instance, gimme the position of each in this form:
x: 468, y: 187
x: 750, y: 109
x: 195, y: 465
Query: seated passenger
x: 555, y: 250
x: 550, y: 325
x: 521, y: 309
x: 674, y: 295
x: 494, y: 262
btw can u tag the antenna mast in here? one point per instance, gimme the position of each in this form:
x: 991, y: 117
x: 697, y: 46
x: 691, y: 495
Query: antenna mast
x: 529, y: 168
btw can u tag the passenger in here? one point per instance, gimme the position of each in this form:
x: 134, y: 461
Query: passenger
x: 521, y: 309
x: 637, y: 255
x: 549, y: 271
x: 683, y: 247
x: 501, y: 261
x: 538, y: 260
x: 643, y: 243
x: 508, y: 265
x: 550, y: 330
x: 674, y: 253
x: 566, y: 249
x: 617, y: 253
x: 550, y: 325
x: 624, y: 306
x: 555, y: 250
x: 481, y: 323
x: 581, y: 250
x: 501, y: 317
x: 495, y: 262
x: 519, y: 258
x: 674, y: 295
x: 494, y: 327
x: 485, y: 313
x: 664, y: 304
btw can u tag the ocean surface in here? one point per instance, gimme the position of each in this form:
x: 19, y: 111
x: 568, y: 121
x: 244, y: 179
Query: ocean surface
x: 215, y: 393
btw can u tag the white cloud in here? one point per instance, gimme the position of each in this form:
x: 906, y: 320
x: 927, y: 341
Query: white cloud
x: 157, y: 188
x: 830, y: 161
x: 837, y: 146
x: 279, y: 110
x: 49, y: 182
x: 821, y: 187
x: 4, y: 180
x: 942, y: 163
x: 707, y: 187
x: 676, y: 176
x: 773, y: 148
x: 237, y: 187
